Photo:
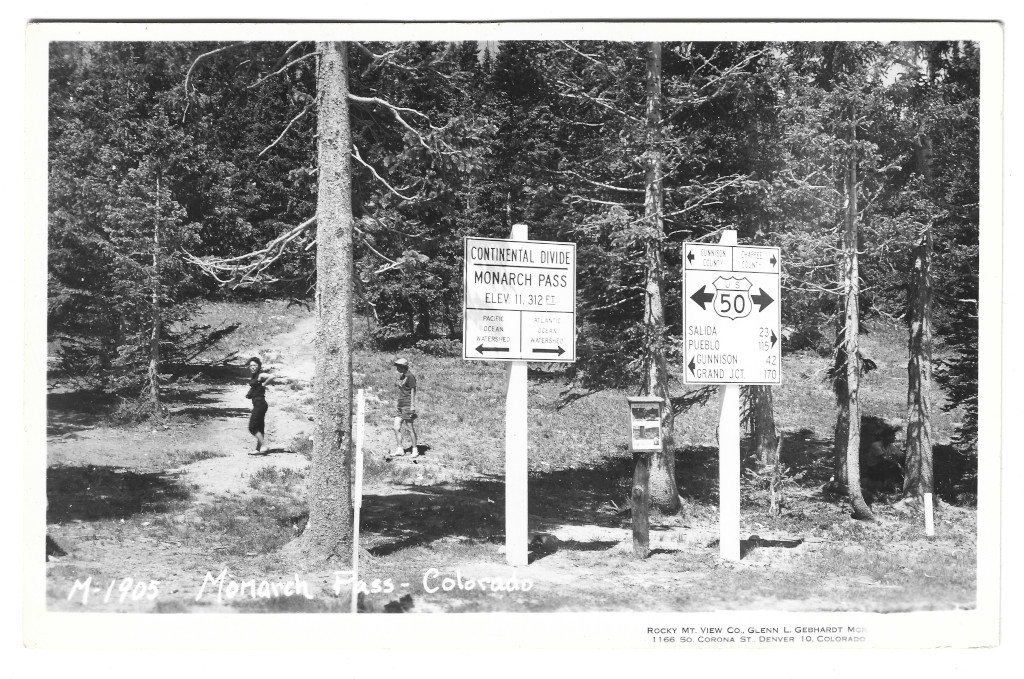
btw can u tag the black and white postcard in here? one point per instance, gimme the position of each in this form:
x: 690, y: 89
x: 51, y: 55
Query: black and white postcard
x: 475, y: 335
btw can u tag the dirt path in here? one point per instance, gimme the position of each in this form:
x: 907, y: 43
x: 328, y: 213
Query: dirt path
x: 210, y: 423
x: 291, y: 360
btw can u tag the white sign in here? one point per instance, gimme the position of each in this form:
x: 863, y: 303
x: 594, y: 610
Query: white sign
x: 520, y: 300
x: 731, y: 314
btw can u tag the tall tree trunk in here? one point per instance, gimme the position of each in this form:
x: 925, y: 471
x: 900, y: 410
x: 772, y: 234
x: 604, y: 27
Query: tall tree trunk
x: 841, y: 432
x: 154, y: 338
x: 664, y: 493
x: 328, y: 534
x: 918, y: 479
x: 852, y: 345
x: 760, y: 420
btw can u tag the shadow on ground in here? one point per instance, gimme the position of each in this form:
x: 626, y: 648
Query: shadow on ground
x: 754, y: 542
x: 68, y: 413
x: 593, y: 495
x: 475, y: 508
x: 186, y: 394
x: 92, y: 493
x: 219, y: 374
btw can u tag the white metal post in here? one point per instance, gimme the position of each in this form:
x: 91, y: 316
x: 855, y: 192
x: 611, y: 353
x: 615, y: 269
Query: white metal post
x: 516, y: 466
x: 729, y: 460
x: 357, y: 500
x: 929, y: 517
x: 729, y: 473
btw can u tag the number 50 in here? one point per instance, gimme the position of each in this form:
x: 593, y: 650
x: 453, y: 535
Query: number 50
x: 739, y: 302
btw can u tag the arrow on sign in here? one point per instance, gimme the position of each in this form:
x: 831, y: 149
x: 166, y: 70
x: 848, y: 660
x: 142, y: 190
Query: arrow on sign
x: 691, y: 365
x: 558, y: 351
x: 702, y: 298
x: 774, y: 339
x: 773, y: 260
x: 481, y: 349
x: 763, y: 300
x: 690, y: 256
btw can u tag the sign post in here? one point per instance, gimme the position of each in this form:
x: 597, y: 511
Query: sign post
x: 929, y: 514
x: 729, y: 473
x: 731, y: 328
x: 517, y: 469
x: 358, y: 499
x: 645, y: 438
x: 520, y: 305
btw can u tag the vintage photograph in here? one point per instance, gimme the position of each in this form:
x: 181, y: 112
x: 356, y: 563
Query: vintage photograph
x: 267, y: 390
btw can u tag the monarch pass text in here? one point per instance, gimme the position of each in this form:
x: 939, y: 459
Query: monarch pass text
x: 521, y: 278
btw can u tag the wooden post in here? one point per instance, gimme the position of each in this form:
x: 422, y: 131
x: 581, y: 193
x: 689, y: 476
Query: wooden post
x: 645, y: 415
x: 516, y: 464
x: 729, y: 460
x: 357, y: 499
x: 641, y: 500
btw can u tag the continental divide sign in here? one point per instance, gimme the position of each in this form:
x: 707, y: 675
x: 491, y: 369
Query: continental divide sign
x: 520, y: 300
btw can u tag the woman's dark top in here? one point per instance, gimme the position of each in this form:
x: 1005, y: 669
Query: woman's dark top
x: 256, y: 388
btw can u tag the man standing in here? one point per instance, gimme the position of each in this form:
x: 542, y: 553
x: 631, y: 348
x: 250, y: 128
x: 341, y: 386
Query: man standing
x: 406, y: 407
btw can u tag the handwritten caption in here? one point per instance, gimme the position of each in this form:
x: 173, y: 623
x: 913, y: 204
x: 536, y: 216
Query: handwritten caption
x: 225, y: 588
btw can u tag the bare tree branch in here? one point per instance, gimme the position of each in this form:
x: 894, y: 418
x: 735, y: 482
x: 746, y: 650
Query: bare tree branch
x: 732, y: 71
x: 281, y: 70
x: 197, y: 60
x: 703, y: 199
x: 285, y: 131
x: 599, y: 184
x: 595, y: 100
x: 807, y: 284
x: 248, y: 268
x: 359, y: 159
x: 289, y: 51
x: 590, y: 58
x: 397, y: 112
x: 367, y: 218
x: 376, y: 252
x: 614, y: 304
x: 583, y: 199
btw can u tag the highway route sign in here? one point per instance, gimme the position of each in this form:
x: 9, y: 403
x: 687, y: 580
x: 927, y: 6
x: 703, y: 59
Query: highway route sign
x: 731, y: 314
x: 520, y: 300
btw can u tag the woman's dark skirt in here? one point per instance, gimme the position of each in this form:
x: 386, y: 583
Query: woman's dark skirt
x: 259, y: 414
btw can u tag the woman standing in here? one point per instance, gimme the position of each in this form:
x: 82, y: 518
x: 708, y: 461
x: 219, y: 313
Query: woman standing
x: 406, y: 414
x: 258, y: 381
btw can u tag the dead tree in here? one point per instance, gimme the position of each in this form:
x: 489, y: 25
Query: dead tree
x: 327, y: 537
x: 918, y: 478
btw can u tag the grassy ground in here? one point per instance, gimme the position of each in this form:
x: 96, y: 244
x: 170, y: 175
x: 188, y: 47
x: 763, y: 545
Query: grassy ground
x: 119, y: 514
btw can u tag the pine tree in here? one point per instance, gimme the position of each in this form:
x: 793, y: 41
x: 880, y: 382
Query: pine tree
x: 119, y: 163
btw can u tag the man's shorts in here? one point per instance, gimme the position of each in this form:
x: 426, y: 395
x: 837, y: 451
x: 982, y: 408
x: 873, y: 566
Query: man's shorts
x: 406, y: 414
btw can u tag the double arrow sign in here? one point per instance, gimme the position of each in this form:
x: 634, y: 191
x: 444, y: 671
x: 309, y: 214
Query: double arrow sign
x: 702, y: 298
x: 731, y: 319
x: 690, y: 257
x: 481, y: 349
